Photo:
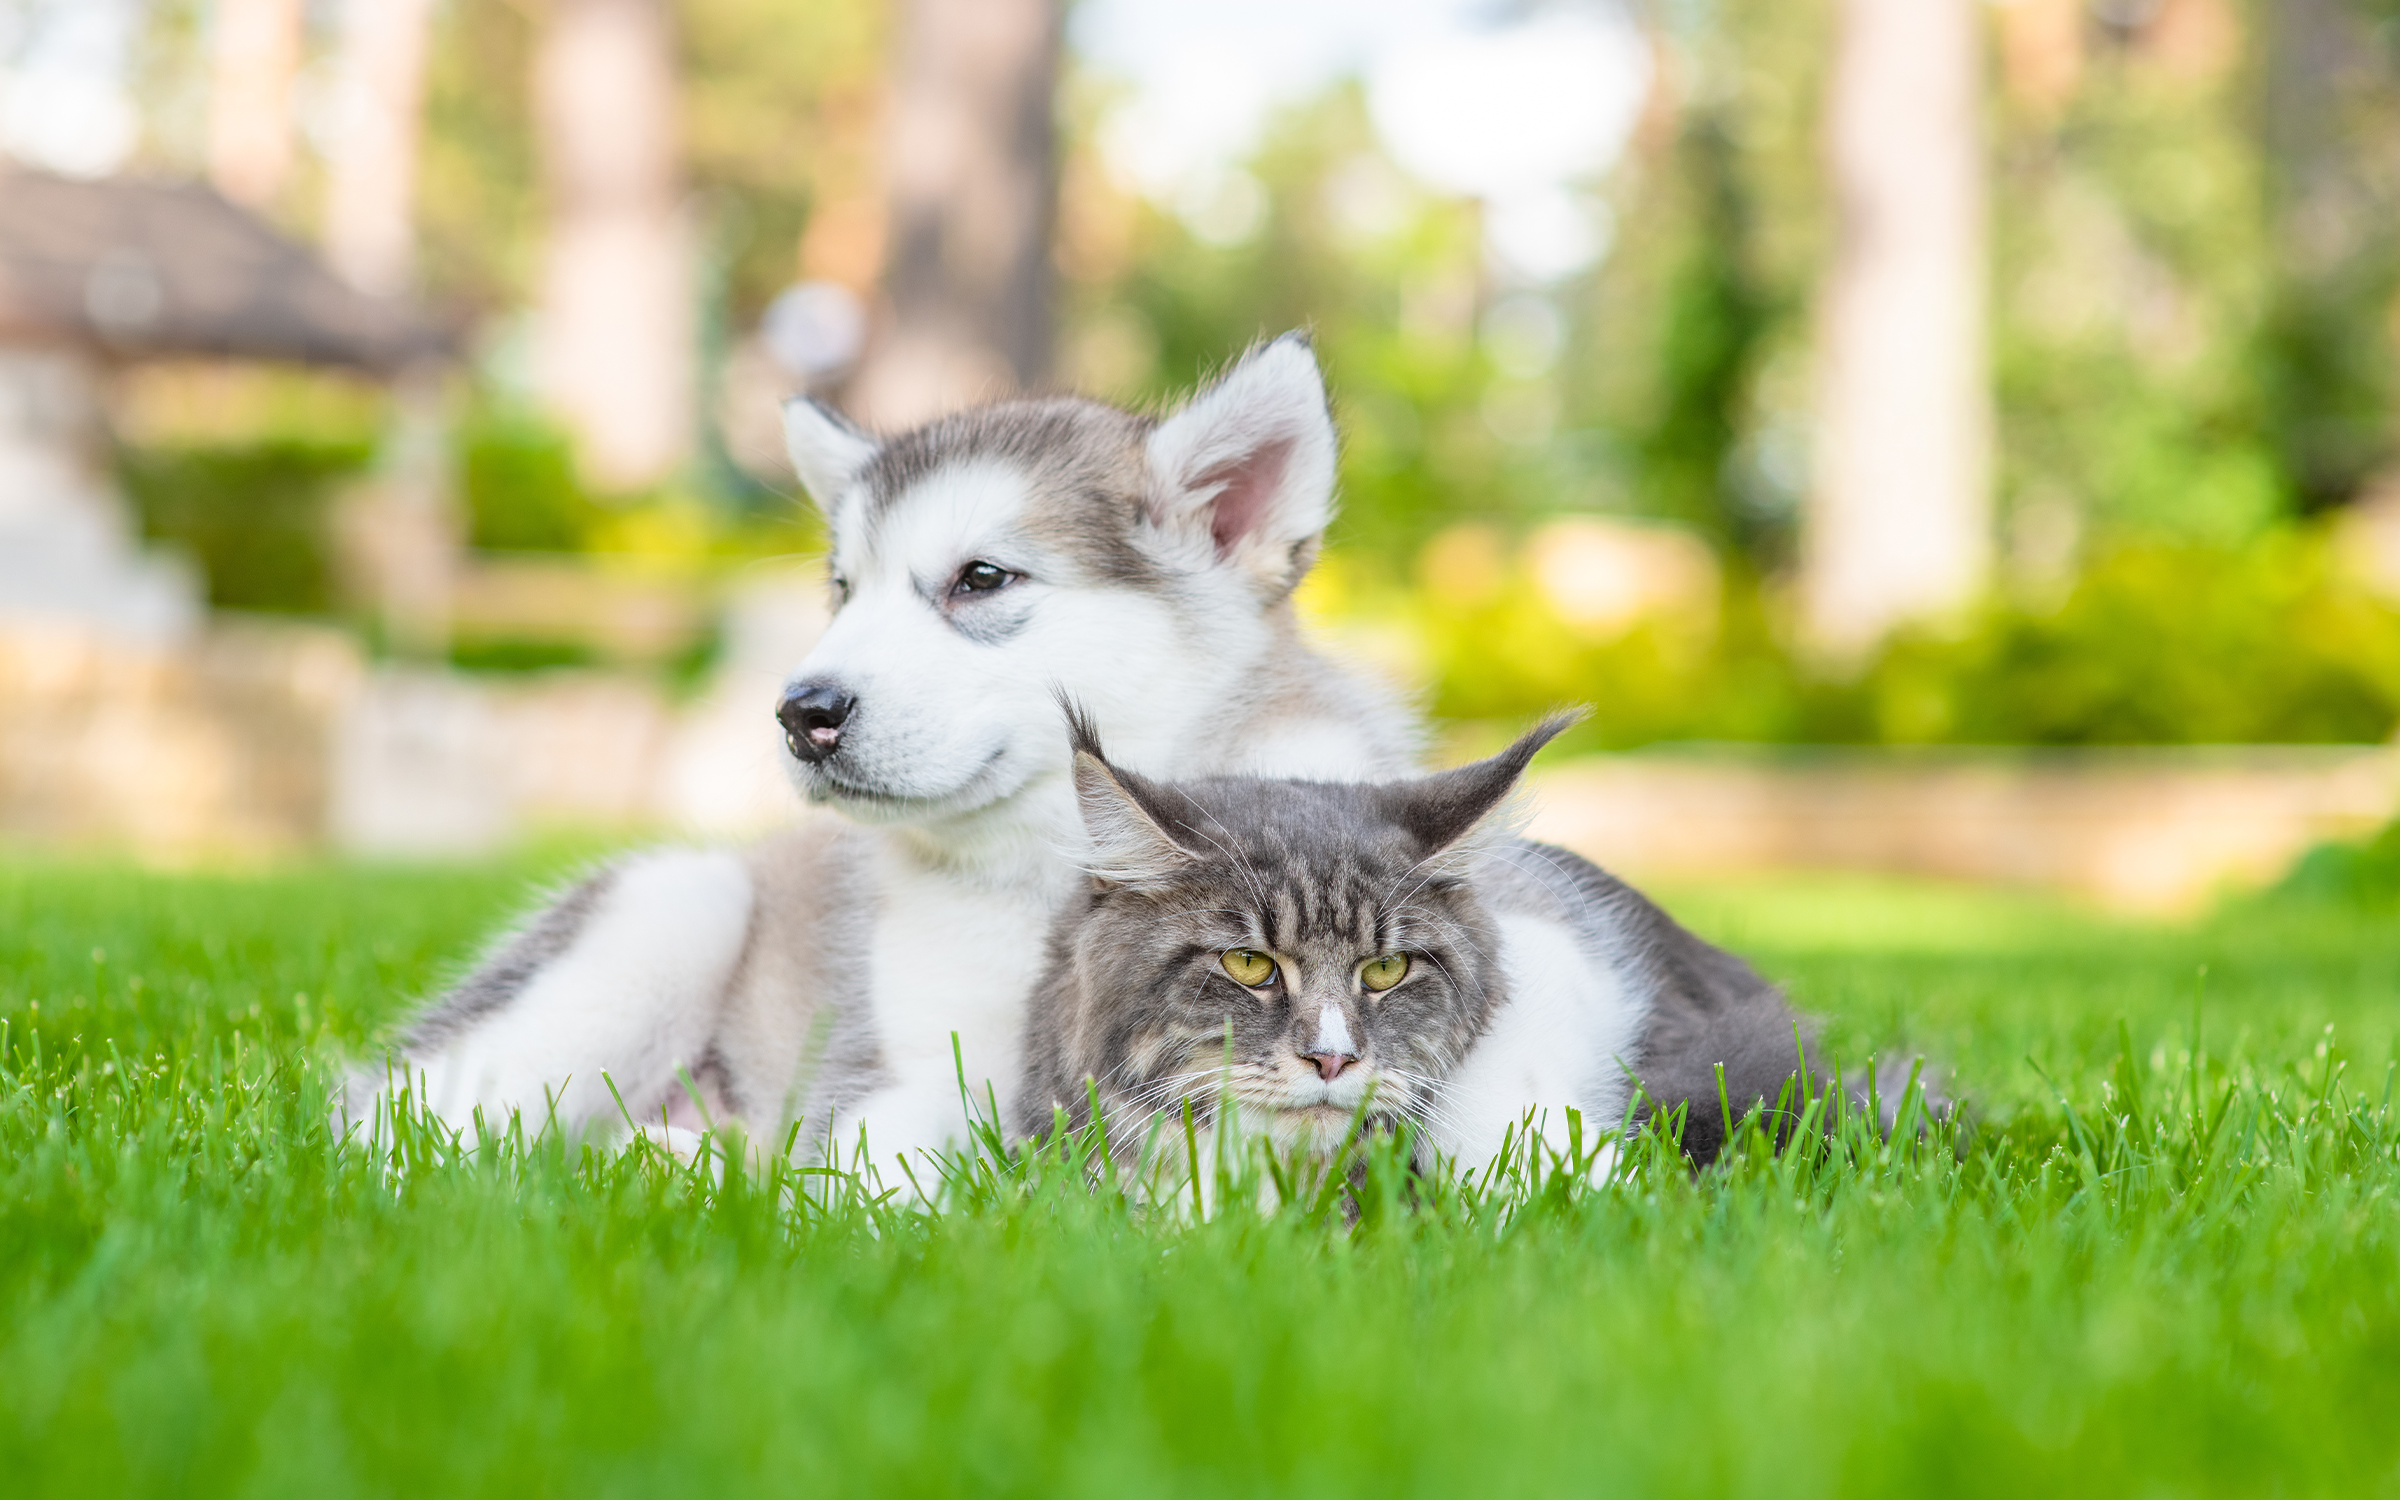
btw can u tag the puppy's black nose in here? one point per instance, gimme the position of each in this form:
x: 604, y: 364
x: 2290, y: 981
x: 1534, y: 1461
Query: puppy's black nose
x: 812, y: 714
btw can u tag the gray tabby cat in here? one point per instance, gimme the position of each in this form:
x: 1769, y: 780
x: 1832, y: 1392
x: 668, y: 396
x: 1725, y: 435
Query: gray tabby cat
x: 1309, y: 951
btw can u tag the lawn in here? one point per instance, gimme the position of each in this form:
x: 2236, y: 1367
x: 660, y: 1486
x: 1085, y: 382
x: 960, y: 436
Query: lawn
x: 2168, y: 1260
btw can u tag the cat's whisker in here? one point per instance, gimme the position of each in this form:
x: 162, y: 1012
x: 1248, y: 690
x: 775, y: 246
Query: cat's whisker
x: 1434, y: 1100
x: 1411, y: 893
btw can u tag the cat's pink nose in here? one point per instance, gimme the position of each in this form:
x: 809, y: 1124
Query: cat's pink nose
x: 1330, y: 1064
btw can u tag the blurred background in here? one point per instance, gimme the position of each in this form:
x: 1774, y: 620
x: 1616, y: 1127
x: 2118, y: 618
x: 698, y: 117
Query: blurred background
x: 1937, y: 435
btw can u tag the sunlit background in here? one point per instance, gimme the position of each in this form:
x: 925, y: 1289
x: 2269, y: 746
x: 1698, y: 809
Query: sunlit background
x: 389, y: 457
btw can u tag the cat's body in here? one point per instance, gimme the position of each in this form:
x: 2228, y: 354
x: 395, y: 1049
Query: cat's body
x: 1311, y: 954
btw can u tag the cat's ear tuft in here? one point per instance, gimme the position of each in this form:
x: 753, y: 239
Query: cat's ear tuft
x: 1123, y: 814
x: 826, y: 451
x: 1244, y: 472
x: 1449, y: 811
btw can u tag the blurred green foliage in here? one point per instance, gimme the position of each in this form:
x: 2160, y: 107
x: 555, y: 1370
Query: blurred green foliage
x: 2193, y: 285
x: 2195, y: 250
x: 254, y: 516
x: 2154, y: 643
x: 516, y: 654
x: 2157, y: 644
x: 518, y: 485
x: 779, y: 103
x: 2365, y: 874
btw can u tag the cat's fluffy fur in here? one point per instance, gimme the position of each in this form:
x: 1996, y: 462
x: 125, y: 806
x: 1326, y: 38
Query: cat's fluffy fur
x: 1138, y: 1013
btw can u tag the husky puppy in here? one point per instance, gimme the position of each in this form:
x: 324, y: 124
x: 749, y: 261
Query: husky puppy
x: 980, y: 564
x: 1301, y: 953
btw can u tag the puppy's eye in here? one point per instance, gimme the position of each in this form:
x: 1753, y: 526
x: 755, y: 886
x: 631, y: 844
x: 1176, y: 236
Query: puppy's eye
x: 1248, y: 967
x: 1382, y: 973
x: 841, y: 589
x: 980, y: 577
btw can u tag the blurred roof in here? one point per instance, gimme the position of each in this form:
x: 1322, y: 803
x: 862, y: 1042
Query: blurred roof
x: 172, y: 268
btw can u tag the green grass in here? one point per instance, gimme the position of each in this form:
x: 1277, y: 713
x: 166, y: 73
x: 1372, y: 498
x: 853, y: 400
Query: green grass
x: 2149, y: 1272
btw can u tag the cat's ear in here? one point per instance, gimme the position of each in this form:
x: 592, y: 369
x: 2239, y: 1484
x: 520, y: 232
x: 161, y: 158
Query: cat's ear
x: 1244, y: 472
x: 826, y: 451
x: 1448, y: 810
x: 1124, y: 815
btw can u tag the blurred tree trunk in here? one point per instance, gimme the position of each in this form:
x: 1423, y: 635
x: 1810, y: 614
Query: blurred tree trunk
x: 371, y: 199
x: 2335, y: 204
x: 253, y: 55
x: 973, y: 177
x: 1898, y: 524
x: 614, y: 338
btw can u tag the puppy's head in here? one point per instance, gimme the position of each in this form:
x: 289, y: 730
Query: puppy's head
x: 986, y: 561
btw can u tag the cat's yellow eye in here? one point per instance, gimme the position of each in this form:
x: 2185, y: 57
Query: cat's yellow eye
x: 1382, y: 973
x: 1248, y: 966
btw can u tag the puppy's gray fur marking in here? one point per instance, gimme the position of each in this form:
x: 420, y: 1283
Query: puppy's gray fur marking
x: 507, y: 969
x: 1083, y: 462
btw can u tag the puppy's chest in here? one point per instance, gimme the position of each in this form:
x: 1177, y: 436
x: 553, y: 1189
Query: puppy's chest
x: 950, y: 957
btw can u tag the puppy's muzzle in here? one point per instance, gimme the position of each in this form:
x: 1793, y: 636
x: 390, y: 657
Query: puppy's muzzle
x: 812, y: 715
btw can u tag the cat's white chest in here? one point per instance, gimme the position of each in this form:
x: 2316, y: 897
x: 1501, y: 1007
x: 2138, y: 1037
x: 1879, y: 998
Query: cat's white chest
x: 1563, y: 1039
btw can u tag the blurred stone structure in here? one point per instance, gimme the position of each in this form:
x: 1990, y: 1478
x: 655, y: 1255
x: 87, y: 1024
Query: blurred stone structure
x: 2159, y: 830
x: 259, y: 739
x: 67, y: 549
x: 125, y: 714
x: 97, y: 273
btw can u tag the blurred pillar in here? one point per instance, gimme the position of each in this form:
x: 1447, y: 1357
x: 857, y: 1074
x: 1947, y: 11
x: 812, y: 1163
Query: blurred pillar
x: 254, y: 54
x: 973, y: 177
x: 400, y: 533
x: 1898, y: 524
x: 370, y: 207
x: 615, y: 329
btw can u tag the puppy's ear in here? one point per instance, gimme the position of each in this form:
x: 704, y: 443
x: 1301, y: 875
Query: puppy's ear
x: 1124, y: 814
x: 826, y: 451
x: 1451, y: 812
x: 1245, y: 469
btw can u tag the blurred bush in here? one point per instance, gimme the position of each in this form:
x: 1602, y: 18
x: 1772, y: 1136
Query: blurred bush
x: 2364, y: 874
x: 254, y: 515
x: 2154, y: 643
x: 518, y: 486
x: 2158, y: 644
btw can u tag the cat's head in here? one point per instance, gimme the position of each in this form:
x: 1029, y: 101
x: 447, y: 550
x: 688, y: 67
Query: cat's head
x: 1301, y: 948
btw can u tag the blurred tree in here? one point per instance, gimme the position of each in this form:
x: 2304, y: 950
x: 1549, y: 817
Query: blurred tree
x: 2328, y: 107
x: 371, y: 193
x: 2193, y: 245
x: 614, y: 334
x: 781, y: 104
x: 1715, y: 316
x: 1690, y: 350
x: 973, y: 177
x: 255, y: 54
x: 1899, y: 514
x: 479, y: 192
